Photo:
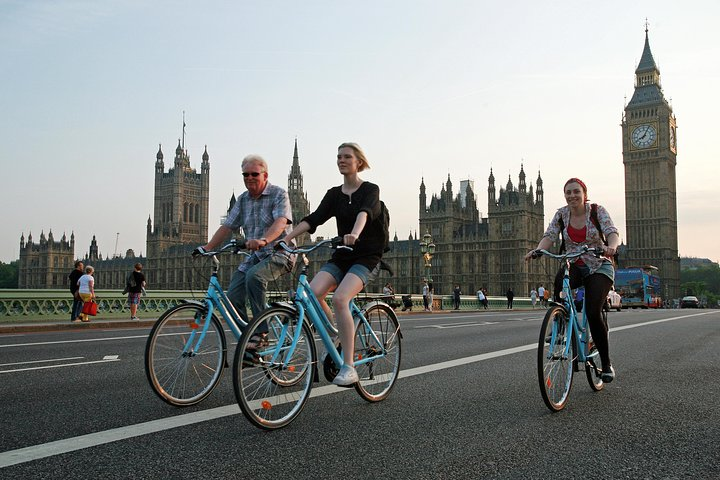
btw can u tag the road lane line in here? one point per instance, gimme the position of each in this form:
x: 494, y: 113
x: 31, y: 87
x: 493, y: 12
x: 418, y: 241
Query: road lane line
x: 59, y: 342
x: 457, y: 325
x: 58, y: 447
x: 58, y: 366
x: 40, y: 361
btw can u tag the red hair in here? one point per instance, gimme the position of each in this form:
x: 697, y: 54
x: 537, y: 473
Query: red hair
x: 579, y: 182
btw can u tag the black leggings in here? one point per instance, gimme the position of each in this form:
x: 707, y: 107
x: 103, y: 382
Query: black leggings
x: 597, y: 287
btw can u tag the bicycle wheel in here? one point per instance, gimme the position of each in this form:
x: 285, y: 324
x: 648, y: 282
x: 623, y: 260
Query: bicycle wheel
x: 378, y: 376
x: 273, y: 380
x: 183, y: 366
x: 592, y: 370
x: 555, y: 360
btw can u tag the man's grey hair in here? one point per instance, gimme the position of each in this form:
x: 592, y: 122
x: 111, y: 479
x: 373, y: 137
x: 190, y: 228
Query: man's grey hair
x: 255, y: 159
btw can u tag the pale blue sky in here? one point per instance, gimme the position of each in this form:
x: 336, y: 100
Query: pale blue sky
x: 428, y: 88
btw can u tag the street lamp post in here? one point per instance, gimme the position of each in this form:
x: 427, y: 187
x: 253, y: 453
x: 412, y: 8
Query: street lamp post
x: 427, y: 248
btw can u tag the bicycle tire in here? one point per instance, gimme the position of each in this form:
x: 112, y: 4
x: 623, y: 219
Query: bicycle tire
x: 555, y: 367
x: 271, y: 387
x: 378, y: 377
x: 592, y: 370
x: 179, y: 376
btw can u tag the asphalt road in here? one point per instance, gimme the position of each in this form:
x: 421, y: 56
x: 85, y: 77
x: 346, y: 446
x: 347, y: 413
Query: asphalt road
x: 77, y: 405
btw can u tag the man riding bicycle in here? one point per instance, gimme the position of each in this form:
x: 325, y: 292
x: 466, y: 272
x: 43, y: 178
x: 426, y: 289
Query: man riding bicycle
x: 265, y: 214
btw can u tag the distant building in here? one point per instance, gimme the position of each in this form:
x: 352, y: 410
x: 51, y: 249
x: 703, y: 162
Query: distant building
x: 472, y: 251
x: 45, y: 264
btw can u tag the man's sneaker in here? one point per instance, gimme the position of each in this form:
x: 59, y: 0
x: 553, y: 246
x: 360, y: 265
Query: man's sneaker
x: 346, y: 377
x: 134, y: 318
x: 608, y: 374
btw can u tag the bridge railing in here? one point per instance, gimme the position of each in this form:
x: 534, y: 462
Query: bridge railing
x: 18, y: 305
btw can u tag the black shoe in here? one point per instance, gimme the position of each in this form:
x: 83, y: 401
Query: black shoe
x: 251, y: 357
x: 608, y: 374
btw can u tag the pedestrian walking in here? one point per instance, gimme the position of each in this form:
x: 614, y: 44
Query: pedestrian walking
x: 86, y: 289
x: 431, y: 292
x: 533, y: 297
x: 77, y: 301
x: 135, y: 287
x: 426, y: 295
x: 456, y: 297
x: 541, y: 295
x: 510, y: 295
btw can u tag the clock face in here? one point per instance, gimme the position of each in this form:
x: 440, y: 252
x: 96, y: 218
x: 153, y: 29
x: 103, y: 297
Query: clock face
x: 643, y: 136
x: 672, y: 138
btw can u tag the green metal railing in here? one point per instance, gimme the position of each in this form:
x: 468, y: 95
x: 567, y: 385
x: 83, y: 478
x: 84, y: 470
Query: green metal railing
x: 29, y: 305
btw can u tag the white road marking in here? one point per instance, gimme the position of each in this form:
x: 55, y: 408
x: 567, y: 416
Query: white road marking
x: 58, y: 366
x: 85, y: 340
x: 457, y: 325
x: 40, y: 361
x: 58, y: 447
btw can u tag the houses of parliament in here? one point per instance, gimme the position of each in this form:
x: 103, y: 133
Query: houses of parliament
x: 471, y: 251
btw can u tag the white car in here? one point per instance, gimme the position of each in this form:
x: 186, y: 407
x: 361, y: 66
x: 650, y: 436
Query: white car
x: 614, y: 300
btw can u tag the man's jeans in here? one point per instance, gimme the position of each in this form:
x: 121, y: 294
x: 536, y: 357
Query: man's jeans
x: 252, y: 284
x: 76, y: 308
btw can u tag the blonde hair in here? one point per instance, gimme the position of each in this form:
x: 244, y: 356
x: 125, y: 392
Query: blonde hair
x: 89, y: 269
x: 359, y: 154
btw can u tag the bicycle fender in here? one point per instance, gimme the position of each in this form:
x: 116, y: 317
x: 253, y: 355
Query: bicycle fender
x: 555, y: 304
x: 194, y: 302
x: 286, y: 305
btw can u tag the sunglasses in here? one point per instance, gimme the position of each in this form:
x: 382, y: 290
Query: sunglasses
x: 251, y: 174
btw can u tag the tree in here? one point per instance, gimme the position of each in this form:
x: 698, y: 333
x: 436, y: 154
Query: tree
x: 9, y: 275
x: 709, y: 276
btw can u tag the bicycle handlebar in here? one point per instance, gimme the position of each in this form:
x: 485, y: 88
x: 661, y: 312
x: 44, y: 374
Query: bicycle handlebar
x: 234, y: 245
x: 335, y: 244
x: 598, y: 251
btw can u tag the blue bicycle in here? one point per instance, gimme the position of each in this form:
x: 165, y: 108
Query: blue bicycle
x: 273, y: 376
x: 565, y: 344
x: 186, y: 351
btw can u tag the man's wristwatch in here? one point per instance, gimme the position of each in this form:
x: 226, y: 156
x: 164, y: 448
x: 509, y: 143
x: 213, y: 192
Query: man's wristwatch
x: 265, y: 240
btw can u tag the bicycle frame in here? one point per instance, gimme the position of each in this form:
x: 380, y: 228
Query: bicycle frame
x: 216, y: 299
x: 308, y: 307
x: 576, y: 323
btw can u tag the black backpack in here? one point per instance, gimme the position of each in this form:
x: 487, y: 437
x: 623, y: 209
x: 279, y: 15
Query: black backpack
x: 385, y: 218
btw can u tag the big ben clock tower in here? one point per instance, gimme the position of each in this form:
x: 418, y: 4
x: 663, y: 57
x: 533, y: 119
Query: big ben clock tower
x: 649, y: 139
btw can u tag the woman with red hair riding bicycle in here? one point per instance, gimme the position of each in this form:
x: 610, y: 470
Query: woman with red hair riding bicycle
x: 580, y: 224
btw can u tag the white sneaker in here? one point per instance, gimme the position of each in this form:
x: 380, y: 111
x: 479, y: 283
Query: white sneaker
x: 346, y: 377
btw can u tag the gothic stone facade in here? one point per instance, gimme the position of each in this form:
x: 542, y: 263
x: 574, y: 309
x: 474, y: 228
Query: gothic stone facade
x: 649, y: 140
x: 45, y: 264
x: 474, y: 251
